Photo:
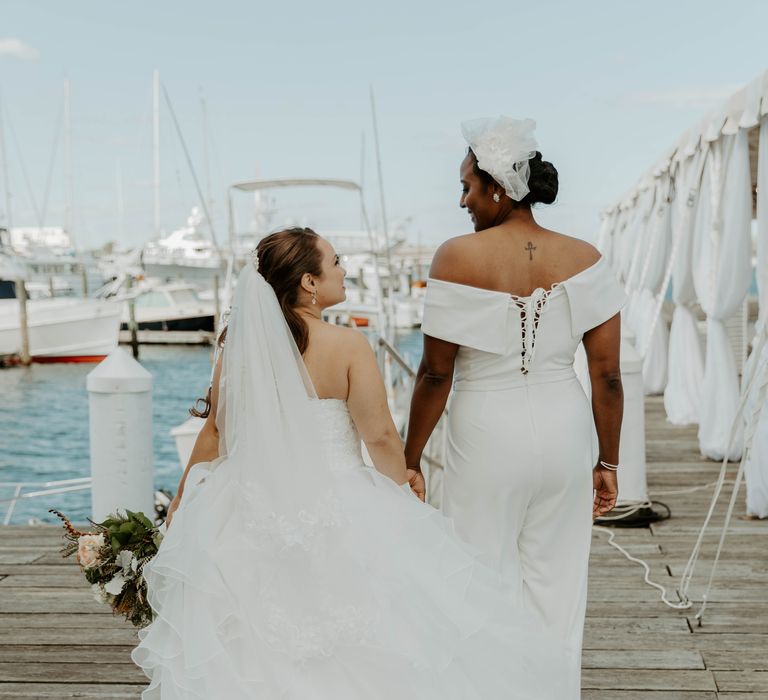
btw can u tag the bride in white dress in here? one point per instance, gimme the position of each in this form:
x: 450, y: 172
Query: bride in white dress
x: 290, y: 570
x: 505, y: 310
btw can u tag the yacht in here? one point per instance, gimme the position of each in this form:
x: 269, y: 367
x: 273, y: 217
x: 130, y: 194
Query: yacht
x: 64, y: 329
x: 185, y: 253
x: 171, y: 306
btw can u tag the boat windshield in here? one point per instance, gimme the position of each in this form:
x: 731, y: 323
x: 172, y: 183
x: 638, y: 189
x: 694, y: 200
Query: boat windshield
x: 7, y: 289
x: 184, y: 297
x: 152, y: 300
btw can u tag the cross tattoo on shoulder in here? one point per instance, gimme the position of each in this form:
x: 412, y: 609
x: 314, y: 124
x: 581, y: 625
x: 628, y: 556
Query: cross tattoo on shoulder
x: 530, y: 248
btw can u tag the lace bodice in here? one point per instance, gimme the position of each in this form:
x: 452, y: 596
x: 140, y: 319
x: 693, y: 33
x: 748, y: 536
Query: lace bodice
x: 341, y: 440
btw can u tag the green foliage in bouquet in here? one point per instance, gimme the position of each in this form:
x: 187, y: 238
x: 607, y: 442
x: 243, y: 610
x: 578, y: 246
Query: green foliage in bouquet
x: 113, y: 558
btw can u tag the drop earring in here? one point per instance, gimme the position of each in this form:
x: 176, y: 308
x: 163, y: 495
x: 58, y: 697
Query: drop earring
x: 314, y: 297
x: 496, y: 197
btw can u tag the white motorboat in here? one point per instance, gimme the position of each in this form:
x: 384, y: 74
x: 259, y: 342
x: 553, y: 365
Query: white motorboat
x: 66, y: 329
x: 175, y: 306
x: 185, y: 253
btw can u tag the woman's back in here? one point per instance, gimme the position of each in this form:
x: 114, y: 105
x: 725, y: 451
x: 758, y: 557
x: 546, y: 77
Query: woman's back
x: 514, y: 320
x: 516, y: 259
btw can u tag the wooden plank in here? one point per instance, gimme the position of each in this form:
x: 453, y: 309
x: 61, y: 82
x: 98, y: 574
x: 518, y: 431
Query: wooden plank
x: 632, y: 679
x: 101, y: 619
x: 742, y: 681
x: 71, y: 636
x: 42, y: 601
x: 649, y: 695
x: 60, y: 691
x: 636, y: 659
x: 69, y: 580
x: 35, y: 671
x: 748, y: 659
x: 24, y: 653
x: 20, y: 557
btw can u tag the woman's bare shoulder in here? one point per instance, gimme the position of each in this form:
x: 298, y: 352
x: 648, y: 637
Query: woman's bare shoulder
x: 452, y: 260
x: 579, y: 253
x: 342, y: 339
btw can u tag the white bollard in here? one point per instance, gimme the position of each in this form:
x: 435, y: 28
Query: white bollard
x: 633, y: 481
x: 120, y: 405
x: 633, y: 484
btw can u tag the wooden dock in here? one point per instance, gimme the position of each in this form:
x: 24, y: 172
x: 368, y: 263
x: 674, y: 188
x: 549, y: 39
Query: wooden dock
x: 57, y: 642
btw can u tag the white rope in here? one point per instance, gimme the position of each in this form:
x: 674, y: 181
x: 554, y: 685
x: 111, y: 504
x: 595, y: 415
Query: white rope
x: 624, y: 511
x: 685, y: 605
x: 762, y: 391
x: 687, y: 576
x: 692, y: 489
x: 685, y: 579
x: 647, y: 577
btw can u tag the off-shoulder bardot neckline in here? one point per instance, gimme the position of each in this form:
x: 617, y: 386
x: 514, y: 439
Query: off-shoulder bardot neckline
x: 552, y: 287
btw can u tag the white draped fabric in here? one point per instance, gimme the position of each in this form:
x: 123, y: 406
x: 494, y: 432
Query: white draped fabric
x: 636, y: 240
x: 682, y: 395
x: 652, y: 332
x: 756, y: 468
x: 721, y: 275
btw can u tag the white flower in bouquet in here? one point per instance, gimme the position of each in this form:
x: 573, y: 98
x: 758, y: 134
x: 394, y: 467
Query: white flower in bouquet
x: 88, y: 547
x: 116, y: 585
x: 100, y: 595
x: 128, y: 563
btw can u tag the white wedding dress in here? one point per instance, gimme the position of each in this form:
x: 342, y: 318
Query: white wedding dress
x: 521, y: 444
x: 294, y: 572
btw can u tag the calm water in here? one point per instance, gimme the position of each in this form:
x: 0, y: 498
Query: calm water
x: 44, y: 422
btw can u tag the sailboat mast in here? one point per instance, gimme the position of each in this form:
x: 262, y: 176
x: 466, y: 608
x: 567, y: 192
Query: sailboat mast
x: 4, y: 165
x: 156, y: 145
x: 390, y: 272
x: 206, y: 162
x: 120, y: 200
x: 68, y: 183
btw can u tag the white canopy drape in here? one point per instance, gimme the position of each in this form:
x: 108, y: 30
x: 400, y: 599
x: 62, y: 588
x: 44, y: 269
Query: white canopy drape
x: 756, y: 468
x: 722, y: 268
x: 706, y: 252
x: 652, y: 332
x: 682, y: 395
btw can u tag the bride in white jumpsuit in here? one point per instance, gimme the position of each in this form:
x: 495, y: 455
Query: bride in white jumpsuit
x: 504, y: 319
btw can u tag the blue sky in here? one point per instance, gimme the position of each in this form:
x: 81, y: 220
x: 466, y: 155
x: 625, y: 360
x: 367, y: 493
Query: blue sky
x: 611, y: 85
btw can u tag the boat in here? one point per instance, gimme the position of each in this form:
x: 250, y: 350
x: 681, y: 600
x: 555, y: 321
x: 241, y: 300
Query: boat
x: 172, y: 306
x: 186, y: 253
x: 65, y: 329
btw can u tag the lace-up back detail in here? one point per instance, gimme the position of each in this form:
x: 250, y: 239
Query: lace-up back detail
x: 506, y: 340
x: 531, y: 309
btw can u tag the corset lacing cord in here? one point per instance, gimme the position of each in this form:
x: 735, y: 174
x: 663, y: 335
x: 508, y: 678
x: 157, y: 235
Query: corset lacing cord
x: 538, y: 304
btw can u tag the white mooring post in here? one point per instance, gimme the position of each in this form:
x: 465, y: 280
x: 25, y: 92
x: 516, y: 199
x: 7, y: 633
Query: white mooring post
x: 633, y: 481
x: 120, y: 404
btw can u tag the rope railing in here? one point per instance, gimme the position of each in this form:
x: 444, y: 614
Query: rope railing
x: 47, y: 488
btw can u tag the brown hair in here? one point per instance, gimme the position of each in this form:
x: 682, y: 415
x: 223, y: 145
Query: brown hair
x: 284, y: 258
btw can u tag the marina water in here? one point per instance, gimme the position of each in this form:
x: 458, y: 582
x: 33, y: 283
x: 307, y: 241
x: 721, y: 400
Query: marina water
x: 44, y: 428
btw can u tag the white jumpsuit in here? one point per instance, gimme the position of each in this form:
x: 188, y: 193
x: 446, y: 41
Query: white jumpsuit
x: 518, y: 473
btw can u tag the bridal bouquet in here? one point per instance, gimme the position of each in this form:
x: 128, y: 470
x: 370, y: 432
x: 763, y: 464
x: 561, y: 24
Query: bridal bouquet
x: 112, y: 559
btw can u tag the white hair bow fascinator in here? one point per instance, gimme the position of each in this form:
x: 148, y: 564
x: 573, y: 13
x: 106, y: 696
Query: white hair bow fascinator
x: 503, y: 146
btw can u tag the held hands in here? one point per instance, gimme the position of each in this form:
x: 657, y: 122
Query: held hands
x: 606, y: 486
x: 416, y: 480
